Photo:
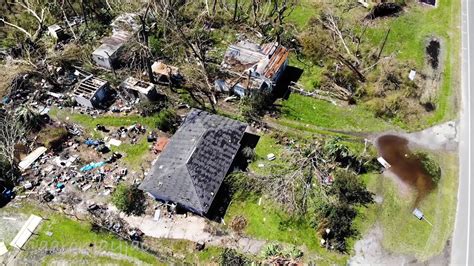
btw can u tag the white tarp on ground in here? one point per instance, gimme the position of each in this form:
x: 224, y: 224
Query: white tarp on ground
x: 31, y: 158
x: 26, y: 231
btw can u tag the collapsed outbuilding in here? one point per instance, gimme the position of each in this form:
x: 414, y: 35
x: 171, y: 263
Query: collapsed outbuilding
x: 252, y: 67
x: 92, y: 92
x: 142, y: 89
x: 123, y: 29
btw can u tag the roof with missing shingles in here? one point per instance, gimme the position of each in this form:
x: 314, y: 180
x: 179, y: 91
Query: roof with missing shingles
x: 193, y: 165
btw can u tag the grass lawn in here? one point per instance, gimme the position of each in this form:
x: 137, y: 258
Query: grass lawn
x: 71, y: 244
x: 407, y: 40
x: 268, y: 222
x: 85, y: 259
x: 402, y: 232
x: 325, y: 115
x: 70, y: 234
x: 90, y: 122
x: 266, y: 145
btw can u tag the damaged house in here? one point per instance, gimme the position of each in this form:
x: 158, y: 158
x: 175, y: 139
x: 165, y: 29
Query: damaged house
x: 123, y: 29
x: 192, y: 167
x: 142, y: 89
x: 252, y: 67
x: 92, y: 92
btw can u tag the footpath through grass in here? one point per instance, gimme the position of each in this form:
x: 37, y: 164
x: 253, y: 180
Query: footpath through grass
x: 328, y: 116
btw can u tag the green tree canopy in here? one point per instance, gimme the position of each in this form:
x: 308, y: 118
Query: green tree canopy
x: 349, y: 189
x: 129, y: 199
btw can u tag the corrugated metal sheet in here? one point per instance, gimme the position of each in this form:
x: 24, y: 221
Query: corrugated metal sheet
x: 263, y: 63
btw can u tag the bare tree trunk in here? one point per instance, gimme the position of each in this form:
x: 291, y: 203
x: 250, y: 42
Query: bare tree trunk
x: 383, y: 44
x: 84, y: 14
x: 214, y: 4
x: 236, y: 7
x: 72, y: 7
x: 145, y: 42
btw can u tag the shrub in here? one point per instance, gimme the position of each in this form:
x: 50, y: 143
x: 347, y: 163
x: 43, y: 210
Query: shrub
x: 167, y: 121
x: 253, y: 107
x: 272, y: 250
x: 293, y: 253
x: 430, y: 165
x: 231, y: 257
x: 129, y: 199
x: 238, y: 224
x: 349, y: 189
x: 147, y: 108
x: 248, y: 153
x: 338, y: 219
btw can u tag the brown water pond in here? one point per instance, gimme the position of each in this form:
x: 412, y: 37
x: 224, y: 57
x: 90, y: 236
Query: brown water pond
x: 405, y: 165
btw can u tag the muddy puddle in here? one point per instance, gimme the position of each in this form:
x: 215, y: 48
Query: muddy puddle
x: 405, y: 165
x: 429, y: 2
x: 433, y: 50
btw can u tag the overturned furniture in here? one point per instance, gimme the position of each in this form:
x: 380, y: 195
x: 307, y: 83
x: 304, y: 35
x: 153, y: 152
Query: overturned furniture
x: 92, y: 92
x: 142, y: 89
x: 252, y: 67
x: 190, y: 170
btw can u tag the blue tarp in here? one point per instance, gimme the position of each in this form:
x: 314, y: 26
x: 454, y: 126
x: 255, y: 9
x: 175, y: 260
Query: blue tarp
x: 91, y: 166
x: 92, y: 142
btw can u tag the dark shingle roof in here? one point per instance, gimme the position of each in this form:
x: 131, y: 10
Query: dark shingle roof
x: 194, y: 163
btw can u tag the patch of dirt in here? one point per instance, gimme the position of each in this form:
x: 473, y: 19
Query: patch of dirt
x: 369, y: 251
x: 432, y: 72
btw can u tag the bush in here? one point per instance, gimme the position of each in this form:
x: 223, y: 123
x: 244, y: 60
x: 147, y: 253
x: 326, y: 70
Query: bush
x: 248, y: 153
x: 430, y: 165
x: 147, y: 108
x: 272, y: 250
x: 338, y: 219
x: 167, y: 121
x: 253, y: 107
x: 129, y: 199
x: 156, y: 45
x: 232, y: 258
x: 293, y: 253
x: 349, y: 189
x: 238, y: 224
